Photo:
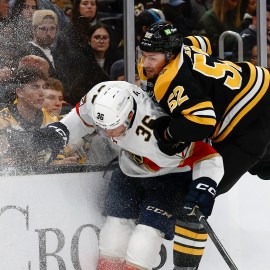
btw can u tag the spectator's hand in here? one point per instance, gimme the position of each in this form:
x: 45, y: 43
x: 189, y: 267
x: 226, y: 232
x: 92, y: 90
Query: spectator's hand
x: 201, y: 193
x: 165, y: 142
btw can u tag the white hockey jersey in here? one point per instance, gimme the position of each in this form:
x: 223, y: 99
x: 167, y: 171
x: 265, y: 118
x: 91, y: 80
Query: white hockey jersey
x: 139, y: 155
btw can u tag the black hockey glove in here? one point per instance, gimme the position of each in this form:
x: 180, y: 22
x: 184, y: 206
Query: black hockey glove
x: 54, y: 136
x: 201, y: 193
x: 165, y: 142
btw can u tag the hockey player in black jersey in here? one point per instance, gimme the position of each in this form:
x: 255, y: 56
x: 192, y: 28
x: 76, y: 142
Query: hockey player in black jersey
x: 205, y: 97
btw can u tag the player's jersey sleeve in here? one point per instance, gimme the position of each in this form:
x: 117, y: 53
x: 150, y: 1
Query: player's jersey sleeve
x: 182, y: 96
x: 204, y: 161
x: 77, y: 128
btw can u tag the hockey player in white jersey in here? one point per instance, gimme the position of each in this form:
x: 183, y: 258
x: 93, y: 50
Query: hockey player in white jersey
x: 146, y: 193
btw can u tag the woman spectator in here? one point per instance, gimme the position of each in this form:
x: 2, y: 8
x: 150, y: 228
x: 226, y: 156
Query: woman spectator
x: 104, y: 53
x: 224, y: 15
x: 86, y: 9
x: 248, y: 7
x: 81, y: 71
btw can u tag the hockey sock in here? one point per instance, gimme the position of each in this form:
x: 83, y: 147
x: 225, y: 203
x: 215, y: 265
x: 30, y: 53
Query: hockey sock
x: 106, y: 263
x: 189, y: 243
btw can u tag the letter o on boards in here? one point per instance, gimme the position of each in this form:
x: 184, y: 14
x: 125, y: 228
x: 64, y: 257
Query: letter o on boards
x: 75, y: 244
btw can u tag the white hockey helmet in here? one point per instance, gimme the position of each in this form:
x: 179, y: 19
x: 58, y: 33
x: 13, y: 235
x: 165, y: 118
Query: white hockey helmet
x: 111, y: 107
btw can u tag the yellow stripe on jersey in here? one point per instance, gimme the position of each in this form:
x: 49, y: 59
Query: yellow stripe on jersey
x: 190, y: 234
x: 202, y: 105
x: 245, y: 101
x: 200, y: 42
x: 201, y: 120
x: 187, y: 250
x: 165, y: 78
x: 201, y: 113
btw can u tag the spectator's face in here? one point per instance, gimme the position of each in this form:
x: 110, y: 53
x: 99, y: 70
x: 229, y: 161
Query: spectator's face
x: 4, y: 8
x: 251, y: 7
x: 231, y: 4
x: 100, y: 40
x: 88, y: 8
x: 153, y: 63
x: 254, y: 56
x: 53, y: 101
x: 31, y: 95
x: 29, y: 8
x: 45, y: 33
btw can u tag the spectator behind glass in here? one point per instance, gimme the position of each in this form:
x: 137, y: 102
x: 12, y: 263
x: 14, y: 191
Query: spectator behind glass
x: 178, y: 12
x: 45, y: 28
x: 53, y: 96
x: 26, y: 113
x: 198, y: 8
x: 7, y: 90
x: 21, y: 14
x: 34, y: 61
x: 117, y: 72
x: 254, y: 55
x: 104, y: 53
x: 248, y: 7
x: 249, y: 35
x: 45, y: 4
x: 143, y: 20
x: 224, y: 15
x: 77, y: 58
x: 87, y: 9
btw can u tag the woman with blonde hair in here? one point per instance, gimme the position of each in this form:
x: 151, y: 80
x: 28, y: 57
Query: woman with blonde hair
x: 224, y: 15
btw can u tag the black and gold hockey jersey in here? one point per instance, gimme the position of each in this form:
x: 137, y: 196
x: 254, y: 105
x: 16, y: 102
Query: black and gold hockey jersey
x: 12, y: 150
x: 207, y: 94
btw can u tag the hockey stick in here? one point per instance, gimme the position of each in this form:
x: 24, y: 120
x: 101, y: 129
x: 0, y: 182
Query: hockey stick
x: 215, y: 239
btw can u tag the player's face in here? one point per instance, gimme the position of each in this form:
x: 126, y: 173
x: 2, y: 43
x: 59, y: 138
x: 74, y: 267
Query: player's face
x: 53, y: 101
x: 116, y: 132
x: 153, y: 63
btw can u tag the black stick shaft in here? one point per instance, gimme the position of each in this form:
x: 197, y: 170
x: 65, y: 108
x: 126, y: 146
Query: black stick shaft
x: 215, y: 240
